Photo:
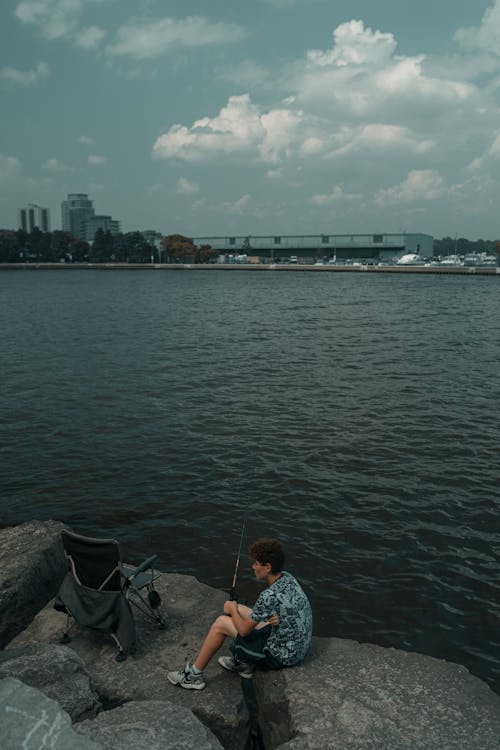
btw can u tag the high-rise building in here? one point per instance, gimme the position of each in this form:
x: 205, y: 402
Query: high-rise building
x: 75, y: 211
x: 106, y: 223
x: 33, y: 216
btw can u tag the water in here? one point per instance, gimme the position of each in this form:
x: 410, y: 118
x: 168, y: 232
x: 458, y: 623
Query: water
x: 355, y: 416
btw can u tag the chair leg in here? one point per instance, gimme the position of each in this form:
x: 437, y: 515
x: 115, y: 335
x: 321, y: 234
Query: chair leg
x: 65, y: 638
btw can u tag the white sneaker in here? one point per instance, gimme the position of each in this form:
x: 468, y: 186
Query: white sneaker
x: 187, y: 679
x: 229, y: 663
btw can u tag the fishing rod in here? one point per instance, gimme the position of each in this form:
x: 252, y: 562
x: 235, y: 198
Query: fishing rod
x: 232, y: 590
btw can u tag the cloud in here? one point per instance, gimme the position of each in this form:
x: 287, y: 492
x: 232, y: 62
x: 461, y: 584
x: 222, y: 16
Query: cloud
x: 335, y: 196
x: 144, y: 40
x: 54, y: 18
x: 378, y: 138
x: 10, y: 166
x: 486, y: 36
x: 96, y: 160
x: 184, y: 187
x: 90, y: 38
x: 54, y: 165
x: 353, y: 44
x: 239, y: 129
x: 361, y: 76
x: 239, y: 206
x: 24, y: 77
x: 86, y: 140
x: 420, y: 185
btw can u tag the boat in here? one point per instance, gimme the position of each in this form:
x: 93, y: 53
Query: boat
x: 410, y: 259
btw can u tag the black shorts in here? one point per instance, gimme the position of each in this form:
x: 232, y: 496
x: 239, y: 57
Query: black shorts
x: 251, y: 649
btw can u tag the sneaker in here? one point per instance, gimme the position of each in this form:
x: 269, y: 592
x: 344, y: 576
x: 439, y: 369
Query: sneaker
x: 187, y: 679
x: 229, y: 663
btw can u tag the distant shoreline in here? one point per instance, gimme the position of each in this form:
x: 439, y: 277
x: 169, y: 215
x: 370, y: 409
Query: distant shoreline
x: 453, y: 270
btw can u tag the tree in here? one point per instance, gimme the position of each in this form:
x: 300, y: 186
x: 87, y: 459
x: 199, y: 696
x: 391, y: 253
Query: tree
x: 178, y: 249
x: 206, y: 254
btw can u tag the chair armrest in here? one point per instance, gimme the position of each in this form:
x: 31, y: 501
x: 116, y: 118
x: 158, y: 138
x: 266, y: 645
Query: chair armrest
x: 142, y: 567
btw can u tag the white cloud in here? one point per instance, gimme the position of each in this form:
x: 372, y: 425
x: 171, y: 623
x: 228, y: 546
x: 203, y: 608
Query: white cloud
x: 274, y: 174
x: 10, y: 166
x: 239, y: 128
x: 378, y: 138
x: 90, y: 38
x: 184, y: 187
x: 361, y: 76
x: 24, y: 77
x: 96, y: 160
x: 143, y: 40
x: 420, y: 185
x: 353, y: 44
x: 54, y: 165
x: 239, y: 206
x: 54, y: 18
x: 338, y: 194
x: 86, y: 140
x: 486, y: 36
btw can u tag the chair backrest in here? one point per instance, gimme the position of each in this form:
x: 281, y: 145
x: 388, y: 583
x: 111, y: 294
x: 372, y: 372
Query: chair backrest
x: 96, y: 563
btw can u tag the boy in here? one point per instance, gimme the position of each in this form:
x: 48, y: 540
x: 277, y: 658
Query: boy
x: 276, y: 633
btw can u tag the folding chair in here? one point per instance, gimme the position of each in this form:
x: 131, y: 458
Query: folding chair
x: 98, y: 590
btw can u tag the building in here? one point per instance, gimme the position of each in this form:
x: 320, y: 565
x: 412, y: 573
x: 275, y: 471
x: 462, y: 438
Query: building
x: 312, y: 247
x: 33, y: 216
x: 106, y: 223
x: 75, y: 211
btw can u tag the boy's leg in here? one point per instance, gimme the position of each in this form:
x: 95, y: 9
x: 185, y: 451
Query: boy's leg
x: 222, y: 627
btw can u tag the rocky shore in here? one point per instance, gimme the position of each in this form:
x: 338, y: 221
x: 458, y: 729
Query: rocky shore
x: 345, y: 696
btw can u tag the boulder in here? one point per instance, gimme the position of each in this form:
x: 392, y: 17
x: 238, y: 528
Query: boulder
x: 30, y: 720
x: 32, y: 566
x: 58, y: 672
x: 189, y: 607
x: 345, y: 696
x: 149, y: 725
x: 351, y: 696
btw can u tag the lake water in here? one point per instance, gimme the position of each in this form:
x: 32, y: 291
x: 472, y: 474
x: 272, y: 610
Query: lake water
x: 355, y: 416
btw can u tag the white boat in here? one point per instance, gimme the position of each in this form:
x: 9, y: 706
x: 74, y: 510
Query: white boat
x: 410, y: 259
x: 451, y: 260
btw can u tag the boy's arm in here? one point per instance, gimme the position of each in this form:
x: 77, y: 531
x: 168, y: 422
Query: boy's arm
x: 244, y: 625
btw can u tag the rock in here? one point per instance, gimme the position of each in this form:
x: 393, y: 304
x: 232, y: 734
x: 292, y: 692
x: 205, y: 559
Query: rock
x: 30, y: 720
x: 190, y: 607
x: 348, y: 696
x: 149, y: 725
x: 32, y: 566
x: 58, y: 672
x: 345, y: 696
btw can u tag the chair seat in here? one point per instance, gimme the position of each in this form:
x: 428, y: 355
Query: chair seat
x: 143, y: 579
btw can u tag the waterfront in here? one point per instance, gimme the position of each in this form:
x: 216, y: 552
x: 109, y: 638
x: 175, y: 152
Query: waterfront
x: 355, y: 414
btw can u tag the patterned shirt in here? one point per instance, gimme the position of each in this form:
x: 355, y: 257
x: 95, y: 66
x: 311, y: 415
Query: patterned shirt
x: 290, y: 639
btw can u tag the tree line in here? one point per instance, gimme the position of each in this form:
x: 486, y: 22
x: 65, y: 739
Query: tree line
x: 19, y: 246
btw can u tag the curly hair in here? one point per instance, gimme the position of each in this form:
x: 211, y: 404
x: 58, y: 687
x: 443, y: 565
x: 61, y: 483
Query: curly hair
x: 268, y: 551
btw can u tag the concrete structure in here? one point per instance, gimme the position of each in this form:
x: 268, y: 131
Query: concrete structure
x: 75, y: 211
x: 106, y: 223
x: 312, y: 247
x: 33, y: 216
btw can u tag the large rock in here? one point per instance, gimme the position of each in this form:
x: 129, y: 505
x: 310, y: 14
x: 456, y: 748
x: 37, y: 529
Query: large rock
x: 32, y: 567
x: 190, y: 607
x: 149, y: 725
x: 30, y: 720
x: 352, y: 696
x: 58, y: 672
x: 345, y: 696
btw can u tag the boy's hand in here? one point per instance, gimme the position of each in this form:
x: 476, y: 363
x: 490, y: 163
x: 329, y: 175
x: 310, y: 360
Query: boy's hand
x: 230, y: 607
x: 274, y: 620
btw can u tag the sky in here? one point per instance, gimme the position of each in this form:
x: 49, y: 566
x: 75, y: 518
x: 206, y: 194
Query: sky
x: 209, y: 117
